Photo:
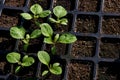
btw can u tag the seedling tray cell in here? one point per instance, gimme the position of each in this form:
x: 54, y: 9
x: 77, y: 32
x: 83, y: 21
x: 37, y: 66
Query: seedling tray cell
x: 15, y: 3
x: 94, y: 56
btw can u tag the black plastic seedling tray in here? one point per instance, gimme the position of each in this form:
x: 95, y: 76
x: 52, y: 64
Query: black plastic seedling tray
x: 94, y: 56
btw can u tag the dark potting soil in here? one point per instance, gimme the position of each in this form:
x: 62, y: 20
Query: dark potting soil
x: 88, y: 5
x: 108, y: 71
x: 112, y: 6
x: 6, y: 42
x: 67, y: 4
x: 45, y: 4
x: 9, y: 18
x: 79, y: 70
x: 30, y: 25
x: 110, y: 48
x: 84, y: 47
x: 60, y: 49
x: 34, y: 45
x: 111, y: 25
x: 52, y: 77
x: 5, y: 67
x: 15, y: 3
x: 27, y: 71
x: 86, y: 24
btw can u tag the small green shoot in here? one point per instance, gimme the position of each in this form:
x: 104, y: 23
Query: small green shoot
x: 37, y: 12
x: 50, y: 38
x: 19, y: 32
x: 59, y: 12
x: 45, y: 59
x: 15, y: 57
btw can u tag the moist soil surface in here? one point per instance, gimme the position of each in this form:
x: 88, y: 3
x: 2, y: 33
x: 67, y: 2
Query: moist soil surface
x: 15, y: 3
x: 112, y: 6
x: 4, y: 66
x: 34, y: 45
x: 108, y: 71
x: 110, y: 48
x: 88, y: 5
x: 9, y: 18
x: 60, y: 49
x: 6, y: 42
x: 83, y: 47
x: 79, y: 71
x: 86, y: 24
x: 67, y: 4
x: 111, y: 25
x: 44, y: 3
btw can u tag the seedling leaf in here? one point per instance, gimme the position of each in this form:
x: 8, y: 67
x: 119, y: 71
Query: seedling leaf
x: 59, y: 11
x: 46, y: 30
x: 48, y: 40
x: 52, y: 20
x: 56, y: 70
x: 27, y: 61
x: 45, y: 13
x: 53, y: 50
x: 17, y: 69
x: 44, y: 57
x: 13, y: 57
x: 56, y: 37
x: 63, y: 21
x: 56, y: 64
x: 67, y: 38
x: 44, y: 72
x: 35, y: 34
x: 17, y: 32
x: 26, y: 16
x: 36, y: 9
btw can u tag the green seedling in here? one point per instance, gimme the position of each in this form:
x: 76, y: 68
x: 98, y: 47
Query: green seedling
x: 59, y: 12
x: 19, y: 32
x: 37, y: 12
x: 45, y: 59
x: 65, y: 38
x: 15, y: 57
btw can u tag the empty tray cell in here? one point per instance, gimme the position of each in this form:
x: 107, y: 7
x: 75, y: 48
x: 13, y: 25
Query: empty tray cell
x: 80, y: 70
x: 9, y: 18
x: 110, y: 48
x: 88, y: 5
x: 109, y: 71
x: 15, y: 3
x: 7, y: 43
x: 67, y: 4
x: 45, y: 4
x: 84, y: 47
x: 4, y: 65
x: 86, y: 24
x: 112, y: 6
x: 111, y: 25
